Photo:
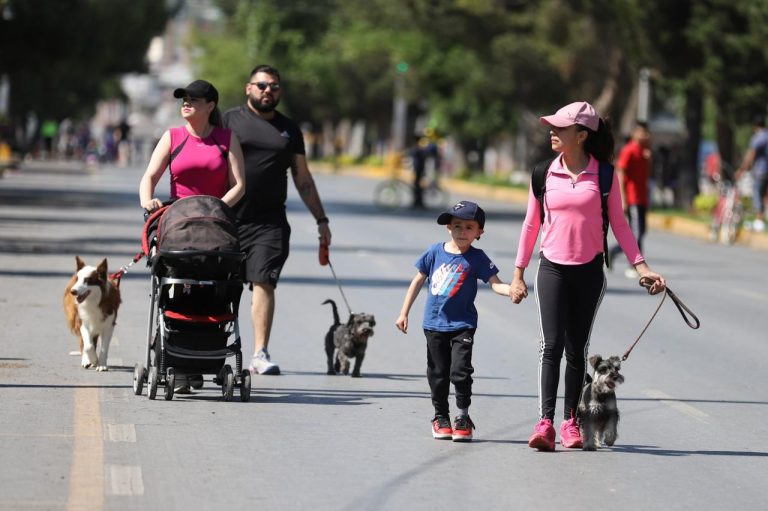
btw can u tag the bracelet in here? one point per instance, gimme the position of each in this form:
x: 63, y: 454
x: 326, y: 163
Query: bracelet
x: 322, y: 220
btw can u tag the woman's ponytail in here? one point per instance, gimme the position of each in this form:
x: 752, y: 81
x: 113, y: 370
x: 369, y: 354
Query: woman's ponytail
x: 600, y: 143
x: 214, y: 119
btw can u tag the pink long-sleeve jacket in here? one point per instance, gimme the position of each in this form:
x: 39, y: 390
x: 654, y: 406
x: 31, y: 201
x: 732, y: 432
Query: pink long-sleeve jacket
x: 573, y: 223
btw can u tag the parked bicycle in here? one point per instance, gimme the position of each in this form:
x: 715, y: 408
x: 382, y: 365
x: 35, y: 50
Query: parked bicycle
x: 728, y: 214
x: 397, y: 193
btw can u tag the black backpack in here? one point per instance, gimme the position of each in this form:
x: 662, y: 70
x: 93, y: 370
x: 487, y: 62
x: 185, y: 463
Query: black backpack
x: 605, y: 178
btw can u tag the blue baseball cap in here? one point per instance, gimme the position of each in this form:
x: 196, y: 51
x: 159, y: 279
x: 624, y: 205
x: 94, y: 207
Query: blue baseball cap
x: 465, y: 210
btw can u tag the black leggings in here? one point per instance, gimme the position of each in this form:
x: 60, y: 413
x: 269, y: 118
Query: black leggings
x: 568, y: 297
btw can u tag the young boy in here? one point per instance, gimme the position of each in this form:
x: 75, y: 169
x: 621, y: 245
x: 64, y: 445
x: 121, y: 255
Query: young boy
x: 450, y: 317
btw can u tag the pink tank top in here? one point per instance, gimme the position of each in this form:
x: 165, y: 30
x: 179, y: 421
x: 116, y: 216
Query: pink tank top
x: 201, y: 167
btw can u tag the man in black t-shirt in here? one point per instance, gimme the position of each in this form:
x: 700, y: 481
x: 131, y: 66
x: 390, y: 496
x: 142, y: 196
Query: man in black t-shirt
x: 271, y: 144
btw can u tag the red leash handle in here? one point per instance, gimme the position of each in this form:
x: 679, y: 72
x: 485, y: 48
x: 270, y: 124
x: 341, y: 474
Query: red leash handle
x: 323, y: 255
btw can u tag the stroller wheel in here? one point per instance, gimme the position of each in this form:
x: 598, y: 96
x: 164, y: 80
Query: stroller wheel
x: 170, y: 383
x: 228, y: 383
x: 138, y: 379
x: 152, y: 390
x: 245, y: 386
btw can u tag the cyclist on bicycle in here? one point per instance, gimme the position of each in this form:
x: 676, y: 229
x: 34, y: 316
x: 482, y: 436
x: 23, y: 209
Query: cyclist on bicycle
x: 756, y: 160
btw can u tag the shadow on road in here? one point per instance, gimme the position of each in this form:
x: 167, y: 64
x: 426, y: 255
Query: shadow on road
x: 66, y: 198
x: 656, y: 451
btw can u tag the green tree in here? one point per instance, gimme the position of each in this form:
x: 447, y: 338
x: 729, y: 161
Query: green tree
x: 715, y: 49
x: 60, y: 56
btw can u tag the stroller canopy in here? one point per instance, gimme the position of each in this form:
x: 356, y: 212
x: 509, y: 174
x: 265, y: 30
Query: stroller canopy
x: 198, y: 223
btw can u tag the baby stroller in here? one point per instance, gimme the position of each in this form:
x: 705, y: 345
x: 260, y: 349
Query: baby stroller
x: 193, y: 252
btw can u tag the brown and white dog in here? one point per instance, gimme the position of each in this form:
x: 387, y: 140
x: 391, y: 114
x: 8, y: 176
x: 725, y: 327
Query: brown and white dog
x: 90, y: 305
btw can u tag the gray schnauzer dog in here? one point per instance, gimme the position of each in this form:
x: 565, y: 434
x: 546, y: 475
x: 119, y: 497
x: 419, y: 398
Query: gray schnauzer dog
x: 344, y: 342
x: 598, y: 413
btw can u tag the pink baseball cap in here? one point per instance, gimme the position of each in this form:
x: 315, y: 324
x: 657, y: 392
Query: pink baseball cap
x: 579, y: 112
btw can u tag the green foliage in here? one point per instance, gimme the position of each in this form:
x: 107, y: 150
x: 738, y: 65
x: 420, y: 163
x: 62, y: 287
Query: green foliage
x: 58, y: 54
x: 705, y: 203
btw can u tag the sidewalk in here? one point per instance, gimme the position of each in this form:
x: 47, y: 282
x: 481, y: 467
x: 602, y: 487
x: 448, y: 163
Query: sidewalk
x: 661, y: 222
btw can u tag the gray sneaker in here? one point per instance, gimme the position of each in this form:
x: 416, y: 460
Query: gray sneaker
x: 262, y: 364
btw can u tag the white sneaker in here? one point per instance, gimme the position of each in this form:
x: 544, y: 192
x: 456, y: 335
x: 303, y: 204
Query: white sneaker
x: 758, y: 225
x: 262, y: 364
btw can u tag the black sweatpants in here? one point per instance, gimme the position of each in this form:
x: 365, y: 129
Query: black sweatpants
x: 449, y: 360
x: 568, y: 297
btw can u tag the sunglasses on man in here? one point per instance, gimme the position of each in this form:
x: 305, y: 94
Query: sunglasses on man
x: 275, y: 86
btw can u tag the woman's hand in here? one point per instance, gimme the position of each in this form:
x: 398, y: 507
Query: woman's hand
x: 518, y: 290
x: 152, y: 204
x: 650, y: 280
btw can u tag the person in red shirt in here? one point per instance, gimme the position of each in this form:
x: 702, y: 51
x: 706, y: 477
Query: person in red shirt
x: 634, y: 170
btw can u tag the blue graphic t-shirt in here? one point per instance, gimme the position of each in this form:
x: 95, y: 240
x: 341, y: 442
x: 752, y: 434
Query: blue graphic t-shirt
x: 452, y: 286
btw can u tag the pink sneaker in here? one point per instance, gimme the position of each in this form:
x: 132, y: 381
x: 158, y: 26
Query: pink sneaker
x: 543, y: 437
x: 570, y: 436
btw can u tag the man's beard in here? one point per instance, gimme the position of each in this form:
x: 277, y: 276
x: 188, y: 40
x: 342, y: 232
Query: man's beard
x: 263, y: 108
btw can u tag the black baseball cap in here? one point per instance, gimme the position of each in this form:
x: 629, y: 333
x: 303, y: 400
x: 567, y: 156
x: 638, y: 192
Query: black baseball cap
x: 465, y: 210
x: 198, y: 89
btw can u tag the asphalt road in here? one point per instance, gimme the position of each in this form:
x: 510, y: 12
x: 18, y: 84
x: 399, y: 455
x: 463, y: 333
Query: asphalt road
x: 694, y: 406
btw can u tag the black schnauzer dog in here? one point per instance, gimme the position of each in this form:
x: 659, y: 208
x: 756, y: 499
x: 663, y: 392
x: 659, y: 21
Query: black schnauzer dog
x: 344, y: 342
x: 598, y: 413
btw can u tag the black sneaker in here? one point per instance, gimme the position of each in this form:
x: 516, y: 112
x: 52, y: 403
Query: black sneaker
x: 441, y: 427
x: 462, y: 429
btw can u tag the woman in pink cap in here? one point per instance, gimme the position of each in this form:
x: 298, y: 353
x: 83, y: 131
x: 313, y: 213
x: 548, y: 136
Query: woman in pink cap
x: 570, y: 282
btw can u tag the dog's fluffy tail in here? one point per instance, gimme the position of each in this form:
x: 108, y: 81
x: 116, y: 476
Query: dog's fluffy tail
x: 336, y: 320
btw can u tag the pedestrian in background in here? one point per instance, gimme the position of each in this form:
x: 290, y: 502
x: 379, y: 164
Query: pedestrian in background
x: 208, y: 159
x: 272, y: 143
x: 756, y: 161
x: 419, y: 163
x: 570, y: 282
x: 633, y: 168
x: 450, y: 317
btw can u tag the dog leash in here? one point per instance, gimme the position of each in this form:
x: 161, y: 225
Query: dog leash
x: 124, y: 269
x: 647, y: 282
x: 325, y: 260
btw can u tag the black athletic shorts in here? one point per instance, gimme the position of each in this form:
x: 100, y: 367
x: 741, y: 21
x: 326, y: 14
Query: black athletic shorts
x: 266, y: 250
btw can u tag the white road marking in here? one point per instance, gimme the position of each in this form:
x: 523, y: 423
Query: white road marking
x: 121, y: 433
x: 124, y: 480
x: 677, y: 405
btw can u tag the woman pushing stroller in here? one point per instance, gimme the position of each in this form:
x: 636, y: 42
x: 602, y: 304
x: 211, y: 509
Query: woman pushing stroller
x: 203, y: 158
